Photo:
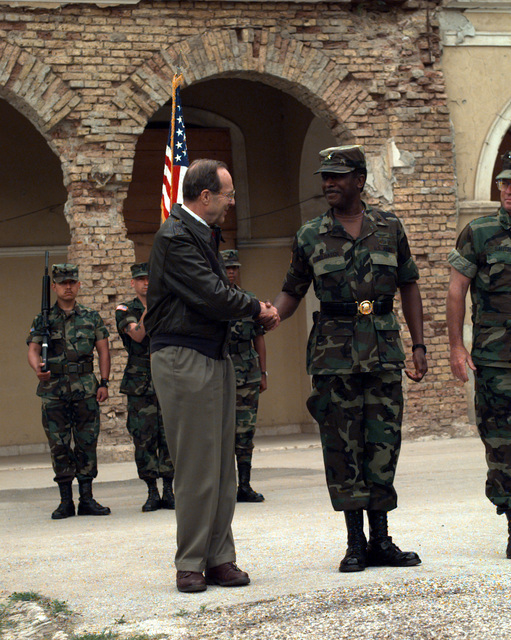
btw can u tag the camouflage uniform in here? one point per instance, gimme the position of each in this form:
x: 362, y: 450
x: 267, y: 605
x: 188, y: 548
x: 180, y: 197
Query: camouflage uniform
x: 69, y: 406
x: 248, y: 380
x: 355, y: 359
x: 144, y: 422
x: 483, y: 254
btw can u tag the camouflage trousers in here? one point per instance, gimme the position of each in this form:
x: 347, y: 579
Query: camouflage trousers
x: 72, y: 428
x: 145, y: 426
x: 247, y: 400
x: 359, y: 417
x: 493, y: 417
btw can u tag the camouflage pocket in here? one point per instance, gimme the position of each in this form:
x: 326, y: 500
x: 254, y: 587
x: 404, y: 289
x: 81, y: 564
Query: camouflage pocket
x: 85, y: 340
x: 384, y: 269
x: 499, y: 263
x: 390, y: 348
x: 330, y: 345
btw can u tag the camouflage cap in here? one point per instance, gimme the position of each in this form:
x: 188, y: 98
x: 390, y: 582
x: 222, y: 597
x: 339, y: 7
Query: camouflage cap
x: 506, y: 167
x: 139, y: 269
x: 231, y: 258
x: 342, y: 159
x: 62, y: 272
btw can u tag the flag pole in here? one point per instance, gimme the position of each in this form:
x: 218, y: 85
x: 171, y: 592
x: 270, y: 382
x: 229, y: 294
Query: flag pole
x: 169, y: 160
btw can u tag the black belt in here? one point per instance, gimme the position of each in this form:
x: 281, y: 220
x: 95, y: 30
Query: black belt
x: 139, y: 361
x: 365, y: 308
x: 71, y: 367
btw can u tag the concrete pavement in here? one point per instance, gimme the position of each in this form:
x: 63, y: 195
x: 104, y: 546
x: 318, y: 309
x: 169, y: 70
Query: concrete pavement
x: 121, y: 567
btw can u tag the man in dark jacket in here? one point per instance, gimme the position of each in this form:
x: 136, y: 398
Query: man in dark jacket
x: 190, y: 306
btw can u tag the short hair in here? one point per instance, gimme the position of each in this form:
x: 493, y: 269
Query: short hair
x: 202, y: 174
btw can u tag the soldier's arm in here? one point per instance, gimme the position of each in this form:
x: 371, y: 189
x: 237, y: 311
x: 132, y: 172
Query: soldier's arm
x: 412, y: 309
x: 260, y: 347
x: 456, y: 295
x: 136, y: 330
x: 34, y: 360
x: 286, y: 305
x: 104, y: 367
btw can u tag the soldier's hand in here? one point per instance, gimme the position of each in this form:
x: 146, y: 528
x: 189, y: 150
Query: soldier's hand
x: 420, y: 366
x: 102, y: 394
x: 460, y: 359
x: 269, y: 316
x: 42, y: 375
x: 264, y: 383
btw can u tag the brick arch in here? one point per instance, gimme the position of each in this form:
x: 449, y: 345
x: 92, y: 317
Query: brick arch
x: 34, y: 89
x: 302, y: 71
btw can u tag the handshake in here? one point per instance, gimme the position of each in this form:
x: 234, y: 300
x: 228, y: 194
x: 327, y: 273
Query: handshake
x: 269, y: 316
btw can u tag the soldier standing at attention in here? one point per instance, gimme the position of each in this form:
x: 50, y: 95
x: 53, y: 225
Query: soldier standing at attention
x: 481, y: 261
x: 357, y: 257
x: 70, y: 392
x: 248, y: 354
x: 144, y: 423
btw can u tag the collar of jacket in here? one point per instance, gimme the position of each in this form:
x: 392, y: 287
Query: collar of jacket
x: 504, y: 218
x: 206, y: 231
x: 372, y: 219
x: 78, y: 309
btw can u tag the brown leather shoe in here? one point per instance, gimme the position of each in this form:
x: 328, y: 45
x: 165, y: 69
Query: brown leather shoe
x: 227, y: 575
x: 190, y: 581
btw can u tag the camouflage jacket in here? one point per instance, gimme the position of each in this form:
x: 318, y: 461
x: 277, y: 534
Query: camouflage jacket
x: 136, y: 380
x: 372, y: 267
x: 72, y: 340
x: 483, y: 254
x: 241, y: 348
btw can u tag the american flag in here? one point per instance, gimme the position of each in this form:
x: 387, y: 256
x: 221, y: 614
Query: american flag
x: 176, y: 155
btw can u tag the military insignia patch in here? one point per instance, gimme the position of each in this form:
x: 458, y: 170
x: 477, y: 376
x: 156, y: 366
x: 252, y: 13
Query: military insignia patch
x: 121, y: 307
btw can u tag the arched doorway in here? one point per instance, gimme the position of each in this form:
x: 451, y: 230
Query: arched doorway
x: 31, y: 221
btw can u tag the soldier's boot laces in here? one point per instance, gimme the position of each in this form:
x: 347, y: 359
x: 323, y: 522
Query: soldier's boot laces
x: 66, y: 508
x: 381, y: 551
x: 355, y: 558
x: 245, y: 491
x: 87, y: 506
x: 508, y: 550
x: 153, y: 502
x: 167, y: 499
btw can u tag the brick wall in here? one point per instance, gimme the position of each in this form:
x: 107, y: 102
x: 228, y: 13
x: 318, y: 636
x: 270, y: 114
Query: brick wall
x: 89, y: 78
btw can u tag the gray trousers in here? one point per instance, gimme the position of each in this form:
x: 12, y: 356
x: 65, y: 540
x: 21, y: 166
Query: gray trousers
x: 197, y: 396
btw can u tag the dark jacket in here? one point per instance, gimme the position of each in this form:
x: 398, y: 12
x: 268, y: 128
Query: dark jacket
x: 189, y: 300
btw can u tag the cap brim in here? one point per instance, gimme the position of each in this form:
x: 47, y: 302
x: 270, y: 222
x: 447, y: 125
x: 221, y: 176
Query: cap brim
x: 504, y: 174
x: 335, y: 170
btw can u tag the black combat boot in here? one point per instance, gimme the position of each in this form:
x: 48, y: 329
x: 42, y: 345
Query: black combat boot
x: 508, y: 550
x: 66, y: 508
x: 153, y: 502
x: 167, y: 498
x: 355, y: 558
x: 87, y: 506
x: 381, y: 551
x: 245, y: 491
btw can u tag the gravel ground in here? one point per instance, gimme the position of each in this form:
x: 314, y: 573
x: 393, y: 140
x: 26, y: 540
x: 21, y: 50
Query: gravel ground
x: 475, y: 607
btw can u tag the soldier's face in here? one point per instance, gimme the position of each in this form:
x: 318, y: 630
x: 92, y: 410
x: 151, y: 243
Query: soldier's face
x: 232, y: 274
x: 505, y: 194
x: 67, y: 290
x: 341, y: 190
x: 140, y: 285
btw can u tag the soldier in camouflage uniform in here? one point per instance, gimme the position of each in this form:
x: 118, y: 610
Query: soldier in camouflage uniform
x: 248, y: 354
x: 69, y: 390
x: 357, y: 257
x: 144, y: 422
x: 481, y: 261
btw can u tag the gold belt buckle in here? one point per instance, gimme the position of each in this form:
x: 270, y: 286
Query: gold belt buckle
x: 365, y: 307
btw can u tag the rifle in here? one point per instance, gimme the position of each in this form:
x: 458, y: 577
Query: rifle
x: 45, y: 312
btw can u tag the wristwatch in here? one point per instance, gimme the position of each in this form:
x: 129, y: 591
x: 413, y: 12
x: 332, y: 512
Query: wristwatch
x: 104, y: 382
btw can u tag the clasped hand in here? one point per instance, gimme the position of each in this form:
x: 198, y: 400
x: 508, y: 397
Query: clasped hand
x: 269, y: 316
